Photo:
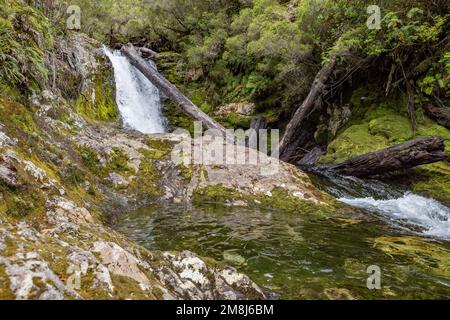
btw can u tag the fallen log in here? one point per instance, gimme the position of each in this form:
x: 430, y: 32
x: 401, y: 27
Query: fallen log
x: 440, y: 114
x: 404, y: 156
x: 291, y: 142
x: 170, y: 91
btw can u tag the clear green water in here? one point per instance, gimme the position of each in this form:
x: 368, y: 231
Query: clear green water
x: 301, y: 256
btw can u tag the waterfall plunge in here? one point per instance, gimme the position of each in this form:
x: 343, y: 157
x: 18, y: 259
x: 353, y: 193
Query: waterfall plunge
x: 137, y: 98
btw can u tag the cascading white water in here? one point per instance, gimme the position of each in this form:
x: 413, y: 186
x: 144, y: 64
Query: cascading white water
x: 411, y: 209
x: 137, y: 98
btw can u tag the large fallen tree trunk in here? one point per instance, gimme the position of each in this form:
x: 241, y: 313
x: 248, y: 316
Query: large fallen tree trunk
x: 404, y: 156
x: 291, y: 143
x: 172, y: 92
x: 440, y: 114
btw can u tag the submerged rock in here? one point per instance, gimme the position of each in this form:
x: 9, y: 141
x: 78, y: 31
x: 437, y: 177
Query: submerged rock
x: 233, y: 257
x: 338, y: 294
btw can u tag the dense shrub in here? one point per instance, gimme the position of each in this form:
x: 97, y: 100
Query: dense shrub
x: 25, y: 33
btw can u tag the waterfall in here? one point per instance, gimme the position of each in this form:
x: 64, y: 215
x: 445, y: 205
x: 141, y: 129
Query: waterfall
x: 137, y: 98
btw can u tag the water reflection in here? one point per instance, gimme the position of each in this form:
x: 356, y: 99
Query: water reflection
x: 301, y: 256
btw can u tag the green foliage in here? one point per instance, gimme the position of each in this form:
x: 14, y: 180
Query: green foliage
x: 437, y: 77
x: 20, y: 208
x: 25, y: 33
x: 89, y: 157
x: 118, y: 161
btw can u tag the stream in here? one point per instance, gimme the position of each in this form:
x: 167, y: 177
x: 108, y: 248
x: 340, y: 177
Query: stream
x: 298, y: 255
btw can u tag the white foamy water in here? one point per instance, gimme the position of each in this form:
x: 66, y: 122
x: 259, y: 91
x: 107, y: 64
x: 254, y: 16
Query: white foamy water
x: 411, y: 209
x: 137, y: 98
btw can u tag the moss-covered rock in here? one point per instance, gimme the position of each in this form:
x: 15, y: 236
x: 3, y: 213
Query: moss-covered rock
x: 276, y: 199
x: 99, y: 102
x: 424, y: 253
x: 355, y: 140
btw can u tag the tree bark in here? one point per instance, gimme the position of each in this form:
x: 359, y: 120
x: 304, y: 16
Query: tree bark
x: 291, y: 143
x: 311, y: 157
x: 173, y: 93
x: 149, y: 52
x: 257, y: 124
x: 440, y: 114
x: 404, y: 156
x: 410, y: 106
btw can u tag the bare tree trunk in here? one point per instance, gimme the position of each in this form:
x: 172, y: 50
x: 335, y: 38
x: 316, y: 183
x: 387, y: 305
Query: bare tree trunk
x: 291, y: 143
x: 404, y: 156
x: 172, y: 92
x: 410, y: 106
x: 256, y: 125
x: 440, y: 114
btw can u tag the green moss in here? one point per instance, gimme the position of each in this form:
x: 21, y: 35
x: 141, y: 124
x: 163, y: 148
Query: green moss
x: 8, y: 91
x: 280, y: 199
x: 126, y: 288
x: 19, y: 208
x: 5, y: 292
x: 176, y: 118
x: 394, y: 128
x: 145, y: 185
x: 20, y: 117
x: 89, y: 157
x: 71, y: 175
x: 101, y: 104
x: 186, y: 172
x: 429, y: 128
x: 432, y: 180
x: 200, y: 99
x: 216, y: 194
x: 426, y: 254
x: 159, y: 148
x: 355, y: 140
x: 25, y: 201
x: 237, y: 121
x: 118, y: 161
